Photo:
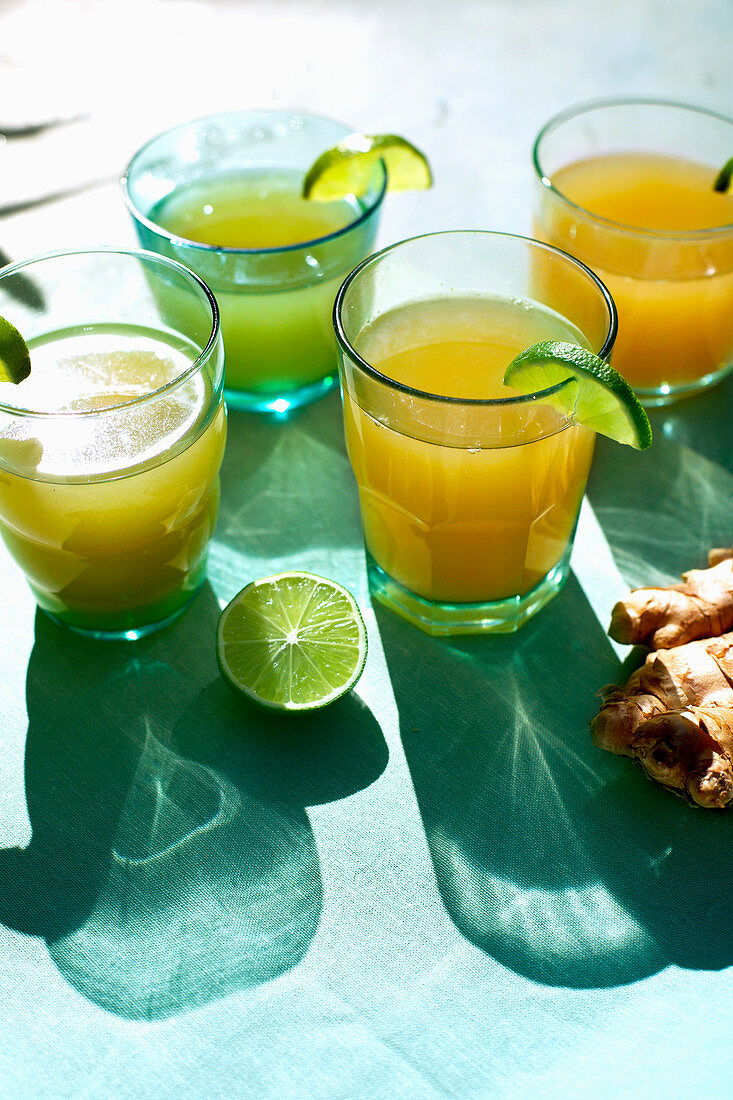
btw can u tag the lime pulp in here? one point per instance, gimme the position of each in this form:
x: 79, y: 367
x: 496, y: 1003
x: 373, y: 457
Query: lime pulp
x: 601, y: 399
x: 292, y: 642
x: 348, y: 168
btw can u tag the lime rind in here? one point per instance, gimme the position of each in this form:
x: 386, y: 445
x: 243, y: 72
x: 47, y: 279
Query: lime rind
x: 724, y: 177
x: 348, y: 168
x: 292, y: 642
x: 601, y: 399
x: 15, y: 359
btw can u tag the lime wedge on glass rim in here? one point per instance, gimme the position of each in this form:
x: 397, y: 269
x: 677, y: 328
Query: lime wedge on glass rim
x: 724, y: 177
x: 15, y: 359
x: 293, y: 641
x: 348, y: 168
x: 601, y: 398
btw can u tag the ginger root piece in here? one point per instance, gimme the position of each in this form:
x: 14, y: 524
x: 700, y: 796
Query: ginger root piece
x: 697, y: 674
x: 690, y: 751
x: 719, y: 553
x: 700, y: 607
x: 675, y: 716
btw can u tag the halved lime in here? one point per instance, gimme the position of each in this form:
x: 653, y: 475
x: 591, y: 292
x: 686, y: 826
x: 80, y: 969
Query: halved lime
x: 292, y: 642
x: 15, y: 359
x: 601, y: 399
x: 348, y: 168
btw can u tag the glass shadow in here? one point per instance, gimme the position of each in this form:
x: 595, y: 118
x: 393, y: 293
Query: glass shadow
x: 280, y: 480
x: 172, y: 861
x: 701, y: 423
x: 662, y: 510
x: 560, y: 861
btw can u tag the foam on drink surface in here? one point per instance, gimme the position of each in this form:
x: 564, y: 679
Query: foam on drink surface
x: 96, y: 383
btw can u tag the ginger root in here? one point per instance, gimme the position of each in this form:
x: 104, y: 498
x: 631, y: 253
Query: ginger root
x: 690, y: 751
x: 700, y: 607
x: 675, y: 715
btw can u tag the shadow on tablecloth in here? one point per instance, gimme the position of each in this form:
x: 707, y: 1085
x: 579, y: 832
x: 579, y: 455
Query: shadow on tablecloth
x: 172, y: 861
x: 283, y: 485
x: 561, y: 861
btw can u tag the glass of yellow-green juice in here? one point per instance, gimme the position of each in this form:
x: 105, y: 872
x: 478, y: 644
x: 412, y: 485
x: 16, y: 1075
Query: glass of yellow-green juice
x: 469, y: 492
x: 110, y: 449
x: 628, y: 186
x: 223, y: 195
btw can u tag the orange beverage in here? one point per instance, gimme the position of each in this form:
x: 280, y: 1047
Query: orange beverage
x: 469, y: 493
x: 623, y: 198
x: 466, y: 524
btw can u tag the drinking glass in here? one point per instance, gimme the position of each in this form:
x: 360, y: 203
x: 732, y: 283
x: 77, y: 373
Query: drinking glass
x: 468, y: 504
x: 110, y: 449
x: 276, y: 300
x: 626, y: 186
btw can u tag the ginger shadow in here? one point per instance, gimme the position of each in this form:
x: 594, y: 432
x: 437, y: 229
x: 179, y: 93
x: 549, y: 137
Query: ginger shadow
x: 560, y: 861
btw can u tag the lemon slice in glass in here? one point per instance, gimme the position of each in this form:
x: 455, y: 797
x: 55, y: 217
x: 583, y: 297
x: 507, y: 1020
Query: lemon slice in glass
x: 292, y: 642
x: 348, y: 168
x: 601, y: 398
x: 15, y: 359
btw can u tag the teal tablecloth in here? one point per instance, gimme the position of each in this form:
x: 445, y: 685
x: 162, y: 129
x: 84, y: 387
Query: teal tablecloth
x: 436, y: 887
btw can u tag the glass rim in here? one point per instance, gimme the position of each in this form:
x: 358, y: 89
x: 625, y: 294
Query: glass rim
x: 488, y: 402
x: 135, y: 254
x: 187, y: 242
x: 578, y: 109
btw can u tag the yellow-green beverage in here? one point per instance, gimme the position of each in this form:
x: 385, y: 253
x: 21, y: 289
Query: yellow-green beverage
x: 108, y: 544
x: 276, y: 337
x: 110, y: 449
x: 252, y: 210
x: 223, y: 196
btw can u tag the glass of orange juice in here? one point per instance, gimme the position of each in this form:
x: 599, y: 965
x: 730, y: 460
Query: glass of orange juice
x: 469, y: 493
x: 627, y: 186
x: 110, y: 449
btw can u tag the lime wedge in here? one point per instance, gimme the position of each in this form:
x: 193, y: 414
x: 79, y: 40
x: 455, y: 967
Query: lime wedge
x: 601, y: 399
x: 15, y: 359
x: 724, y: 176
x: 292, y: 642
x: 348, y: 168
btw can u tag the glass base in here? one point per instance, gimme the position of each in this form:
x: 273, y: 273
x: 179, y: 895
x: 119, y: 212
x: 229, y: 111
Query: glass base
x: 665, y: 395
x: 280, y: 404
x: 493, y: 617
x: 123, y: 634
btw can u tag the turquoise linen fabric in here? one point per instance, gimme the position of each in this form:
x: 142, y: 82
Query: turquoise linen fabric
x: 437, y: 887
